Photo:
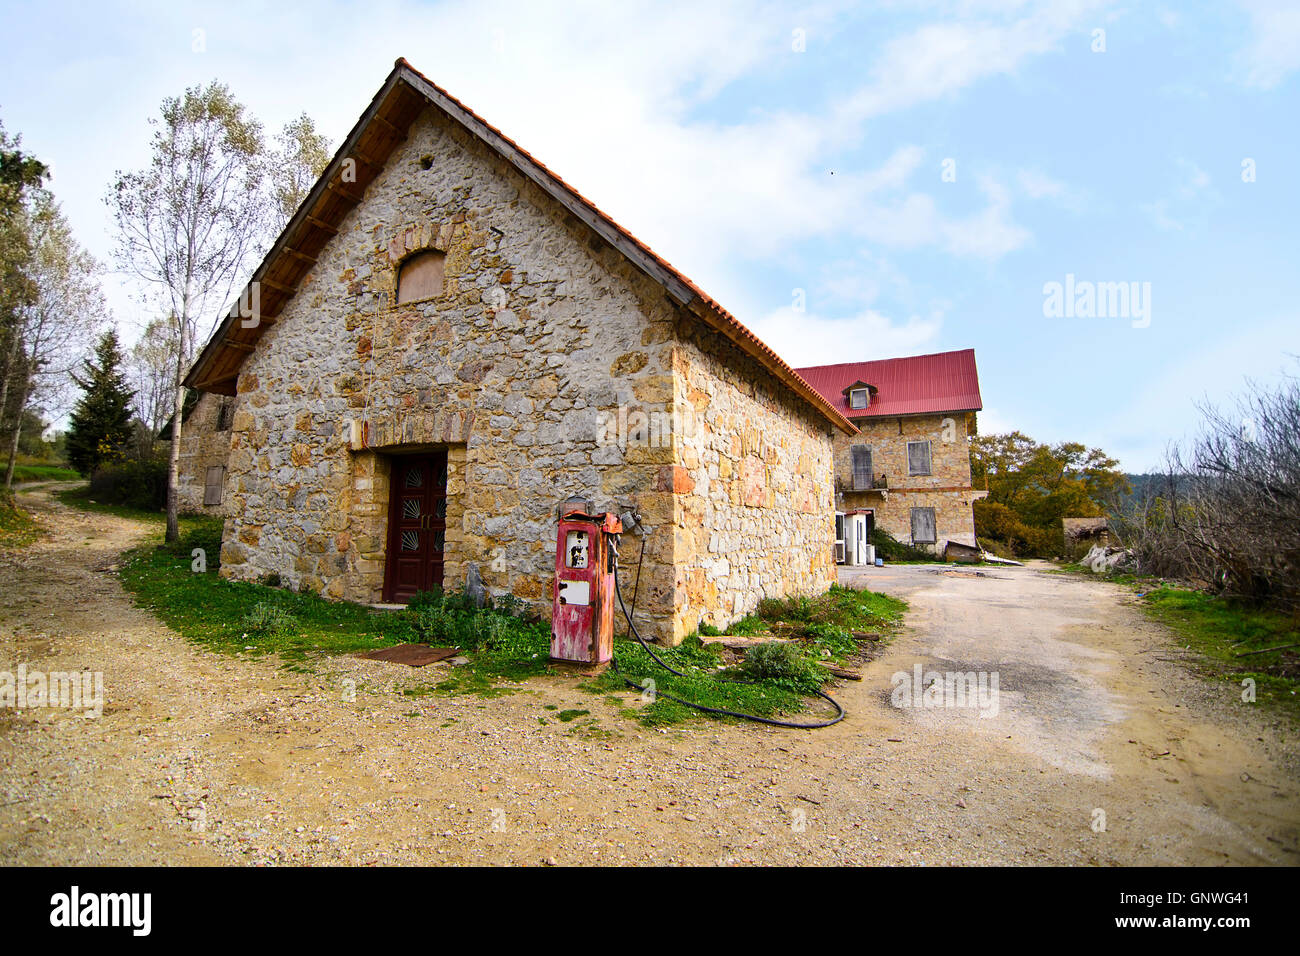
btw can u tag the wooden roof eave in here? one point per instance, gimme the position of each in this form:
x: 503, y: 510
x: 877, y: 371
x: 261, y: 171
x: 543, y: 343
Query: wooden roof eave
x: 208, y: 374
x: 299, y: 227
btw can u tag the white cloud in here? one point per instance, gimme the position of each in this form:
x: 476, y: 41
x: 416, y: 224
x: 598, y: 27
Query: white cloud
x: 804, y: 338
x: 607, y: 95
x: 940, y: 59
x: 1036, y: 184
x: 1274, y: 48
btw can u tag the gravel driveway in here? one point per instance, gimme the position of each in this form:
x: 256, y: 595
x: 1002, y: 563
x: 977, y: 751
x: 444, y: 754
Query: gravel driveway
x: 199, y: 758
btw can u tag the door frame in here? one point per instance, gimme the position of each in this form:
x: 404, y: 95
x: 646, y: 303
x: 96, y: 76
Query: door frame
x: 429, y: 525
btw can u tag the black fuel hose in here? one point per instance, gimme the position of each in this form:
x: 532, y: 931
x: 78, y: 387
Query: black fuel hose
x: 839, y: 715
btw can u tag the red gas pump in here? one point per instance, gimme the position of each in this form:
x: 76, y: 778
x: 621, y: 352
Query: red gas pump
x: 582, y: 624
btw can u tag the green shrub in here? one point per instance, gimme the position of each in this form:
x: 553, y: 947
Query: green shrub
x: 423, y: 599
x: 1002, y: 531
x: 782, y: 664
x: 889, y: 548
x: 265, y: 619
x: 135, y: 484
x: 510, y: 605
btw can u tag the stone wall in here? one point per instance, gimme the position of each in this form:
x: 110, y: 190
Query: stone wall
x: 204, y: 445
x: 947, y: 489
x: 541, y: 334
x: 547, y: 367
x: 753, y: 487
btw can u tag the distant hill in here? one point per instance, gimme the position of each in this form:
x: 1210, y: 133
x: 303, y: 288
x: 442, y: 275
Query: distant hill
x: 1149, y: 484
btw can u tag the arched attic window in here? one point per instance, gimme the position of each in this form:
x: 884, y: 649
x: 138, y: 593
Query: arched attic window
x: 420, y: 277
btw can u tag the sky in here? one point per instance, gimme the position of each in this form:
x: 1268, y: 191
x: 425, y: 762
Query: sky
x: 853, y: 181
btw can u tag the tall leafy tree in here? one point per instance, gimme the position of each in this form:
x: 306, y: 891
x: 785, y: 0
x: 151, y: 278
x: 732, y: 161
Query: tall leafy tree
x: 300, y: 156
x: 57, y: 323
x: 20, y: 175
x: 100, y: 426
x: 1032, y: 486
x: 190, y: 223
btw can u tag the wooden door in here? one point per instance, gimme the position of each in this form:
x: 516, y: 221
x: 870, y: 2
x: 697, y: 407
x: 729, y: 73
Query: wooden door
x: 417, y: 526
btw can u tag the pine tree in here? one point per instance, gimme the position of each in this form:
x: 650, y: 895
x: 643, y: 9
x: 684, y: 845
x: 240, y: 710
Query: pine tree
x: 100, y: 426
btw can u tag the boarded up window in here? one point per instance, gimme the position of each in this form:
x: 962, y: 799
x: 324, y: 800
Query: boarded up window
x: 420, y: 277
x: 858, y: 398
x: 212, y: 485
x: 918, y: 458
x: 861, y: 467
x: 923, y: 526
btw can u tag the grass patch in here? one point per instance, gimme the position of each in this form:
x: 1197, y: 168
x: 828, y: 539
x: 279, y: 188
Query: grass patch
x: 707, y: 682
x: 17, y: 527
x: 239, y: 617
x: 1220, y: 631
x: 234, y: 617
x: 819, y: 629
x: 827, y: 624
x: 44, y: 473
x: 81, y: 499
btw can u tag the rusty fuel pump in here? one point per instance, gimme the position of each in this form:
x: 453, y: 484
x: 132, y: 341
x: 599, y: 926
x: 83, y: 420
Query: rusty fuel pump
x: 586, y: 555
x: 586, y: 586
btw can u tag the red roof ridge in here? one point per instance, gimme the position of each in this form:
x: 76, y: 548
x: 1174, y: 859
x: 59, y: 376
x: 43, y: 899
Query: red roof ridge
x: 892, y: 358
x: 906, y: 385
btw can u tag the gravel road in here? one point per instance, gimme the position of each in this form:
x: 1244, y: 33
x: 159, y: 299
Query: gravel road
x: 199, y: 758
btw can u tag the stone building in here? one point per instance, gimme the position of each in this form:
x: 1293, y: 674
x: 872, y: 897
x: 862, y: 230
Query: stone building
x: 447, y: 341
x: 908, y: 468
x: 205, y: 449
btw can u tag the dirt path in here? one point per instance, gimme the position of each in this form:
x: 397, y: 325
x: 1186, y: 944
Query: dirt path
x: 200, y: 758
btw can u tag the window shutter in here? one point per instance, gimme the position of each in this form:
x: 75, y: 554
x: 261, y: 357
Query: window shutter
x: 212, y: 485
x: 861, y: 467
x: 420, y: 277
x: 923, y: 530
x: 918, y: 458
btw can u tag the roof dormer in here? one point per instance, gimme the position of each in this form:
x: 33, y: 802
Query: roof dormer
x: 858, y: 396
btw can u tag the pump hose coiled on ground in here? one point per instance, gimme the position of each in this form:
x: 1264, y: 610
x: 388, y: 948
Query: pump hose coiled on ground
x: 839, y: 711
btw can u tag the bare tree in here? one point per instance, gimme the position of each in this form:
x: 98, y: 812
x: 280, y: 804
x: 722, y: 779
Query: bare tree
x: 153, y: 374
x: 189, y: 224
x: 1227, y: 511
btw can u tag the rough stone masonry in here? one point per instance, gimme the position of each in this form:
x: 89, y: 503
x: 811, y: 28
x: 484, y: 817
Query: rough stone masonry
x: 543, y: 340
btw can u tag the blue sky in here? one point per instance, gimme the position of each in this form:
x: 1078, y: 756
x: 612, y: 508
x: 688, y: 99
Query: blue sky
x: 767, y: 148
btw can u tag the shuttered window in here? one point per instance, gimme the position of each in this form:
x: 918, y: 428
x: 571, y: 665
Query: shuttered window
x: 923, y: 526
x: 918, y: 458
x: 861, y: 467
x: 420, y: 277
x: 212, y: 485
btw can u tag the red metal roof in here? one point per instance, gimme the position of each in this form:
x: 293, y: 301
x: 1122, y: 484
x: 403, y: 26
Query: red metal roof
x: 915, y: 385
